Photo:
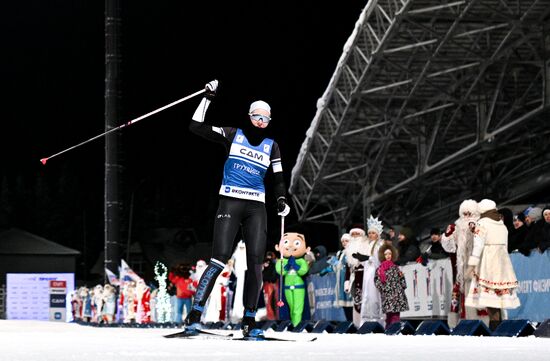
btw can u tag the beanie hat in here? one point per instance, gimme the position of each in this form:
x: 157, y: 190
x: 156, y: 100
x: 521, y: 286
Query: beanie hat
x: 259, y: 104
x: 486, y: 205
x: 535, y: 213
x: 520, y: 216
x: 407, y: 232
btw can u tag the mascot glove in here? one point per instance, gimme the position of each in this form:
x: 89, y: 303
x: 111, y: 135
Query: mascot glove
x: 450, y: 230
x: 292, y: 264
x: 283, y: 209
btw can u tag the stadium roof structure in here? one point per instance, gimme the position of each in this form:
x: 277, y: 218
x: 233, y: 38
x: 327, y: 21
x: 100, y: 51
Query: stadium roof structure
x: 432, y: 102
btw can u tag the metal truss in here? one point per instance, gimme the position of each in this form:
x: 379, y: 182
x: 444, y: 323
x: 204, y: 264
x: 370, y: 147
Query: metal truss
x: 432, y: 102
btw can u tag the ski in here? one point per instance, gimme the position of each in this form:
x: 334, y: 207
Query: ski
x: 203, y: 333
x: 289, y: 336
x: 279, y: 336
x: 230, y: 335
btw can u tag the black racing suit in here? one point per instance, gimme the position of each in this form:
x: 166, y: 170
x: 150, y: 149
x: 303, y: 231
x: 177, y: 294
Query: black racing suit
x: 233, y: 213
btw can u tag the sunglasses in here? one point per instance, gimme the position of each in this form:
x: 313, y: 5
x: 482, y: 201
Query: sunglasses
x: 260, y: 117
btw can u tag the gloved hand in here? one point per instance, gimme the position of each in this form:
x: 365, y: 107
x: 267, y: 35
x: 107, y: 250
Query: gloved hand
x: 333, y: 261
x: 360, y: 257
x: 325, y: 270
x: 450, y: 230
x: 291, y: 264
x: 211, y: 88
x: 469, y: 272
x: 423, y: 259
x: 524, y: 251
x: 283, y: 209
x: 347, y: 286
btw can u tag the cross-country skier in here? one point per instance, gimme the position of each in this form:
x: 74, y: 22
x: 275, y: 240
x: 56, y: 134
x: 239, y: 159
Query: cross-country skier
x: 241, y: 203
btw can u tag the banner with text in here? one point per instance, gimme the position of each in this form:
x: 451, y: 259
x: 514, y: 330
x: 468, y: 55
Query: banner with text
x: 321, y: 290
x: 428, y: 288
x: 533, y: 274
x: 32, y: 296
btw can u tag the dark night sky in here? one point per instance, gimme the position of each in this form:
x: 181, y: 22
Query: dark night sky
x: 52, y: 69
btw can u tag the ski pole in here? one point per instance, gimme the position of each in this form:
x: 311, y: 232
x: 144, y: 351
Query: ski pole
x: 44, y: 160
x: 280, y: 303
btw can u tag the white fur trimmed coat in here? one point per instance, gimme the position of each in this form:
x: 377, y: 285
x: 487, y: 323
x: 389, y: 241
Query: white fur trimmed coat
x: 494, y: 283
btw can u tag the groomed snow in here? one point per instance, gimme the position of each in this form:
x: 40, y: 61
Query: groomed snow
x: 52, y: 341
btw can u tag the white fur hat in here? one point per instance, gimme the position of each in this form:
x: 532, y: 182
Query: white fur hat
x: 259, y: 104
x: 345, y: 236
x: 486, y: 205
x: 468, y: 205
x: 357, y: 230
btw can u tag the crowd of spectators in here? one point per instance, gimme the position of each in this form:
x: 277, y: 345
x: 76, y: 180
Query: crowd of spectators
x: 528, y: 232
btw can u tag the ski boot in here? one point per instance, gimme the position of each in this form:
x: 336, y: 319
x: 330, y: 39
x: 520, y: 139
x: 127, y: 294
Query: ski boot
x: 192, y: 323
x: 248, y: 326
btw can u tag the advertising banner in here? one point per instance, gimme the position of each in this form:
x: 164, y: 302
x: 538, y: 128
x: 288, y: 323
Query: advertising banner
x: 58, y: 304
x: 533, y: 274
x: 322, y: 294
x: 30, y: 297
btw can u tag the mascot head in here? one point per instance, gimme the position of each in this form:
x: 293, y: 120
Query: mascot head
x: 293, y: 244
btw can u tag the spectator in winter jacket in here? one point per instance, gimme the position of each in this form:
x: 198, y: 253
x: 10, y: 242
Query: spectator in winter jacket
x: 185, y: 290
x: 517, y: 236
x: 321, y: 265
x: 507, y: 217
x: 270, y: 285
x: 391, y: 282
x: 519, y: 220
x: 544, y: 231
x: 533, y: 221
x: 407, y: 247
x: 436, y: 250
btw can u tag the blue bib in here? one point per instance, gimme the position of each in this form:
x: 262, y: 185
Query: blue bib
x: 245, y: 169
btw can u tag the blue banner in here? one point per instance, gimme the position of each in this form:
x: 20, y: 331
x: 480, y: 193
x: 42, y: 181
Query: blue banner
x: 533, y: 274
x: 322, y: 292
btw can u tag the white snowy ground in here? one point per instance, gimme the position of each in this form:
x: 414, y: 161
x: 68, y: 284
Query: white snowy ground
x: 52, y: 341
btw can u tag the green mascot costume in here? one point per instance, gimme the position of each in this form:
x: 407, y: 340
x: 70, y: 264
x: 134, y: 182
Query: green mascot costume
x: 294, y: 267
